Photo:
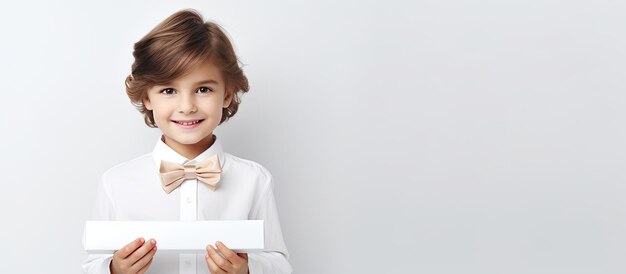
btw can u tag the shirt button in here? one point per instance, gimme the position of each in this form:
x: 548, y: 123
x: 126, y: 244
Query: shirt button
x: 188, y: 200
x: 187, y: 264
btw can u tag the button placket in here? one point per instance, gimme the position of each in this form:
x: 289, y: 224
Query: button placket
x: 188, y: 212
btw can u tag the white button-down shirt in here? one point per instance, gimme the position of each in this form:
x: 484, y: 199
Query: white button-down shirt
x: 132, y: 191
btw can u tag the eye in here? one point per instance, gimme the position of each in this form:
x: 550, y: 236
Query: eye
x: 204, y: 90
x: 167, y: 91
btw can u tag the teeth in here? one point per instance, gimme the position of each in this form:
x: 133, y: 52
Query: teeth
x: 188, y: 123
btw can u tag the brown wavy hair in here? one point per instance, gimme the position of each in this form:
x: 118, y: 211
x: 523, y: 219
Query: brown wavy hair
x: 173, y: 47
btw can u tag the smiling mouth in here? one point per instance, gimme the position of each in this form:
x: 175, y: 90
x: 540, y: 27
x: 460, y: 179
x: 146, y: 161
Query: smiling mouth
x: 188, y: 123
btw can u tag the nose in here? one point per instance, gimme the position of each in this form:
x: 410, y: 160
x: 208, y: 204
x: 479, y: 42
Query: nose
x: 187, y: 104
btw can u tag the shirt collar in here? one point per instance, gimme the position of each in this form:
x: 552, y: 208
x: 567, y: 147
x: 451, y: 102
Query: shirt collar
x: 164, y: 152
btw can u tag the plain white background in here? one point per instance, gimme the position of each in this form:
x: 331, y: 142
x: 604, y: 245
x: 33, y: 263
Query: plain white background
x: 405, y: 137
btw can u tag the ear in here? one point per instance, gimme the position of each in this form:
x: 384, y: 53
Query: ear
x: 147, y: 104
x: 228, y: 98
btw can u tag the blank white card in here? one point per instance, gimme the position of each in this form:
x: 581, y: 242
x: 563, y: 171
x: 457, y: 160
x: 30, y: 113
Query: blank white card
x: 105, y: 237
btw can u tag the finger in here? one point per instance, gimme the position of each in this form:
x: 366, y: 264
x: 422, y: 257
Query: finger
x: 129, y: 248
x: 145, y: 260
x: 243, y: 256
x: 145, y: 267
x: 142, y: 251
x: 219, y: 260
x: 228, y: 254
x: 212, y: 265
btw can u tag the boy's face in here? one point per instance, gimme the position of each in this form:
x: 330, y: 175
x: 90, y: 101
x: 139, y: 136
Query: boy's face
x: 188, y: 109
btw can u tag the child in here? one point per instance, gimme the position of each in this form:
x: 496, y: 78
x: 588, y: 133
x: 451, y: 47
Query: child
x: 186, y: 81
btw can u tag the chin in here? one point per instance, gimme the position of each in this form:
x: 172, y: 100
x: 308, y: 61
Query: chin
x: 188, y: 141
x: 188, y: 138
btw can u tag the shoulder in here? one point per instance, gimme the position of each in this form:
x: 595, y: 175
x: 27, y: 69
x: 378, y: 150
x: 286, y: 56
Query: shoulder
x: 247, y: 168
x: 129, y: 169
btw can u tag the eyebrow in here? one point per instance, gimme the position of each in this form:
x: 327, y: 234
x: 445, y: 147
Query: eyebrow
x: 207, y: 81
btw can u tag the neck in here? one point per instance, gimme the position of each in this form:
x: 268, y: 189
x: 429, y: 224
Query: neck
x: 190, y: 151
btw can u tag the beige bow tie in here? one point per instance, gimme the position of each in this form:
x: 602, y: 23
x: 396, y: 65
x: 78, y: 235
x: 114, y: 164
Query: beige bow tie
x: 207, y: 171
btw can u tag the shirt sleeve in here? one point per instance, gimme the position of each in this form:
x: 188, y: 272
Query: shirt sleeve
x: 103, y: 210
x: 274, y: 258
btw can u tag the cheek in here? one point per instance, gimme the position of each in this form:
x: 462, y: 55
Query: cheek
x: 161, y: 115
x: 163, y: 108
x: 214, y: 106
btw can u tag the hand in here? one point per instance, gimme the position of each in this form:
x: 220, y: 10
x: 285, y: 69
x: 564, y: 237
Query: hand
x: 133, y: 258
x: 231, y: 262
